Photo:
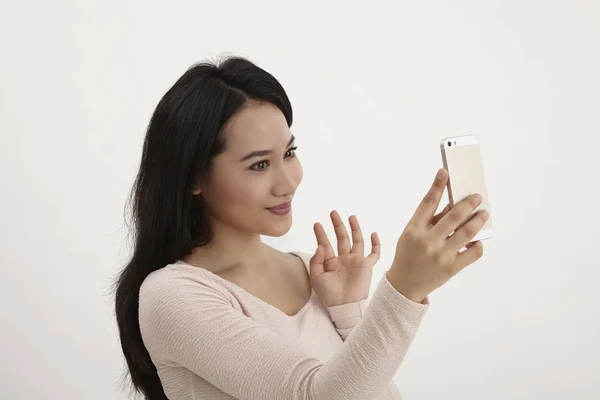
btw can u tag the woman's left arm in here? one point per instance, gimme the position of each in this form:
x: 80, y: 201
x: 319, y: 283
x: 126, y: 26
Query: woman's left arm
x: 346, y: 316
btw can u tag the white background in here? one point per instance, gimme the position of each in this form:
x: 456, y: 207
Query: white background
x: 375, y: 85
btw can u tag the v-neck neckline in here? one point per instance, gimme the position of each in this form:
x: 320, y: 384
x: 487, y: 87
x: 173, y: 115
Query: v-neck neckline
x: 296, y: 315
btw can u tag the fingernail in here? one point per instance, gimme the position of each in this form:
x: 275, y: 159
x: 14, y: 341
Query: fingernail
x: 441, y: 173
x: 485, y: 214
x: 477, y: 198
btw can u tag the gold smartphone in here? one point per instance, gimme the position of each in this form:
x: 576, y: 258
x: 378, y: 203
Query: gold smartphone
x: 462, y: 159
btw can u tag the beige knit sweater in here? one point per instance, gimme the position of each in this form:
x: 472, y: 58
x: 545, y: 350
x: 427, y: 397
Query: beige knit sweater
x: 211, y: 339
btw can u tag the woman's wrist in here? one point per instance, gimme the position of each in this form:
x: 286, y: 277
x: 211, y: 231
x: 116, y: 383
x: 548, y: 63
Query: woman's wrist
x: 401, y: 286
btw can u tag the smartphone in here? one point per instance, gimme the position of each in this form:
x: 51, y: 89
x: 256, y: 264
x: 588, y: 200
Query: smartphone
x: 462, y: 159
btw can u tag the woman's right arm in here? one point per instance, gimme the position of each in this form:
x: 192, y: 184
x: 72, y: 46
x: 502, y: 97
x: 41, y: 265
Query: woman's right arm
x: 195, y: 325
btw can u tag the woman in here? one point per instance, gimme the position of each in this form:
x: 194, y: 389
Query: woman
x: 207, y: 311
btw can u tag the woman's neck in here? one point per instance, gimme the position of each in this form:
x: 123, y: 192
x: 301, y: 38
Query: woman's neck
x: 230, y: 250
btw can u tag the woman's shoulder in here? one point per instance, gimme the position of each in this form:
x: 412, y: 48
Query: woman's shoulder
x: 180, y: 279
x: 173, y: 299
x: 302, y: 255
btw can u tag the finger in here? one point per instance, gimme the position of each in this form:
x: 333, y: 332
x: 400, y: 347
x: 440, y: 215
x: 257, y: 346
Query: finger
x: 467, y: 257
x: 467, y: 232
x: 316, y: 262
x: 431, y: 201
x: 343, y: 240
x: 358, y: 246
x: 375, y: 248
x: 457, y: 216
x: 323, y: 240
x: 436, y: 218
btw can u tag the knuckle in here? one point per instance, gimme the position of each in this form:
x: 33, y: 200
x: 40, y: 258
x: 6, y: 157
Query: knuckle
x: 478, y: 250
x: 444, y: 259
x: 409, y: 231
x: 455, y: 216
x: 439, y: 258
x: 423, y: 246
x: 469, y: 230
x: 483, y: 216
x: 429, y: 198
x: 430, y: 250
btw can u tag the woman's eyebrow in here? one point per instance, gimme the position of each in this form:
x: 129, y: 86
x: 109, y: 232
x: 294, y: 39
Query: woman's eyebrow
x: 262, y: 153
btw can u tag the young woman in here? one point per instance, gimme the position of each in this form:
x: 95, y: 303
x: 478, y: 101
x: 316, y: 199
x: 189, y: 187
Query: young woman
x: 205, y: 310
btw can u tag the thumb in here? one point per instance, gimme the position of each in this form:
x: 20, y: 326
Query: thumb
x: 316, y: 262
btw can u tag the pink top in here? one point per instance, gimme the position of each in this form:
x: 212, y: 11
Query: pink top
x: 211, y: 339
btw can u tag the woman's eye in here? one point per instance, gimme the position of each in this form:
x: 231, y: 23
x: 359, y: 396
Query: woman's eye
x: 263, y: 165
x: 291, y: 152
x: 260, y: 166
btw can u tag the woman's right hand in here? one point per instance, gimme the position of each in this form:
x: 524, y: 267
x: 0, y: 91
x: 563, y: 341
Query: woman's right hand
x: 427, y: 256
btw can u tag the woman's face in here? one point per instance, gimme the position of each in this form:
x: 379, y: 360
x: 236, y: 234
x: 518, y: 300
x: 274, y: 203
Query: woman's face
x: 257, y: 171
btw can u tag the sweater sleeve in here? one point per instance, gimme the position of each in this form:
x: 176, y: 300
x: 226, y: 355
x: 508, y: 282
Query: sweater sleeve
x: 193, y: 324
x: 346, y: 316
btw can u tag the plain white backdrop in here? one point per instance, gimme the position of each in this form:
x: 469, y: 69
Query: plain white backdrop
x: 375, y: 86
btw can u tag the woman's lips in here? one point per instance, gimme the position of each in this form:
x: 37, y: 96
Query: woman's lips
x: 282, y: 209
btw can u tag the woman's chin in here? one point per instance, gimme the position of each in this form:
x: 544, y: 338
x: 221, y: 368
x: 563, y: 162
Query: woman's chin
x: 278, y: 229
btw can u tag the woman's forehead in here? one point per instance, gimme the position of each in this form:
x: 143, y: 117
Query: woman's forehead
x: 257, y: 127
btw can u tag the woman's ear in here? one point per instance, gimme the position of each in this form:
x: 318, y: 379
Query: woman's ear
x: 201, y: 182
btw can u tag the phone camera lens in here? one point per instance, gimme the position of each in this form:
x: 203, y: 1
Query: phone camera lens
x: 449, y: 144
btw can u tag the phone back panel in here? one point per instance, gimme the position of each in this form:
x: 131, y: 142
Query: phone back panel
x: 462, y: 158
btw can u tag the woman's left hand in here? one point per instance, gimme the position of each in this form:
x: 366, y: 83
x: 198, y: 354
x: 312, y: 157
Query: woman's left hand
x: 345, y: 278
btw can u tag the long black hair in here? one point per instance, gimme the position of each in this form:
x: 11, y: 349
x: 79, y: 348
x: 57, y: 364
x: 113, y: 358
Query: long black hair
x: 184, y: 134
